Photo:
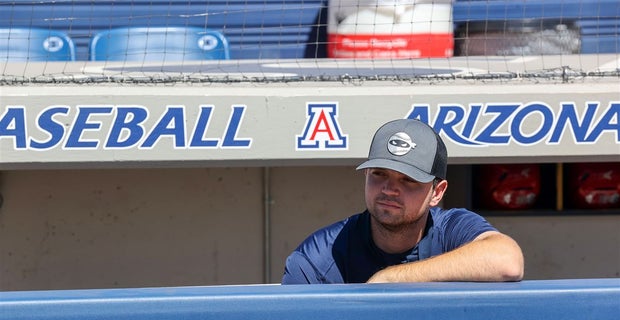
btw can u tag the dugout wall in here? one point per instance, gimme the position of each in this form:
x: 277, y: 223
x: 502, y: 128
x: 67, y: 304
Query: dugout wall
x: 102, y: 203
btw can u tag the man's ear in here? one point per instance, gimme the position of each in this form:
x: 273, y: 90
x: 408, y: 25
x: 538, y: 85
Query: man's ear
x: 438, y: 192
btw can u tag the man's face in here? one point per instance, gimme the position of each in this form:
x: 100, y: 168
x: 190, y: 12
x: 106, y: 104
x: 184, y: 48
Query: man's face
x: 396, y: 200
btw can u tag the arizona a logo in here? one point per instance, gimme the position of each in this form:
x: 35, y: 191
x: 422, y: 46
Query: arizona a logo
x: 322, y: 131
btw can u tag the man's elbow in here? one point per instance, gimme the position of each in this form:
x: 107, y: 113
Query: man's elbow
x: 509, y: 260
x: 513, y: 267
x: 513, y: 272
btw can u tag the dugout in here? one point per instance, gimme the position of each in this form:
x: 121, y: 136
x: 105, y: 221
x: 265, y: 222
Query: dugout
x: 225, y: 203
x: 221, y: 181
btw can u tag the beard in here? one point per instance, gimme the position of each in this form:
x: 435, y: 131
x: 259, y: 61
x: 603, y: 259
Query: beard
x: 397, y: 219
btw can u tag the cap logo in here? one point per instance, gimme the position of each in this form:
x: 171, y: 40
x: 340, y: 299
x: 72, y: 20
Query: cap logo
x: 400, y: 144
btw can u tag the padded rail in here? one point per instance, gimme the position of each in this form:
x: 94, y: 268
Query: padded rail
x: 542, y: 299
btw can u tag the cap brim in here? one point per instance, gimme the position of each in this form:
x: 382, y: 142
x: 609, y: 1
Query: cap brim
x: 408, y: 170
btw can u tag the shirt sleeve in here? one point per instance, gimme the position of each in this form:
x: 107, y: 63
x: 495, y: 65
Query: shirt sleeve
x: 299, y: 270
x: 463, y: 226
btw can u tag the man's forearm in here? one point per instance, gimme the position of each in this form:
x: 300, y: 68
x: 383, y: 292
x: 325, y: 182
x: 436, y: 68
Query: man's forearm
x: 491, y: 257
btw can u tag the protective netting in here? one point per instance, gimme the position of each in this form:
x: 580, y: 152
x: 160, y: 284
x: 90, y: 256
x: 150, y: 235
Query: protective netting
x: 307, y: 40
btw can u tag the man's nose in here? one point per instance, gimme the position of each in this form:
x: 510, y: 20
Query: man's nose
x: 390, y: 186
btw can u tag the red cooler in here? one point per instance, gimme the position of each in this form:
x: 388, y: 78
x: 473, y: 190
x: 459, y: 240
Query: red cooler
x: 593, y: 185
x: 508, y: 186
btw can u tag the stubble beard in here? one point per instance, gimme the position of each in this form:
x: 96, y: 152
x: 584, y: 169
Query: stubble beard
x: 397, y: 221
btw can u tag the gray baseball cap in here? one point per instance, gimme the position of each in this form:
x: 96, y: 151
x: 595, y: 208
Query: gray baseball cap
x: 410, y: 147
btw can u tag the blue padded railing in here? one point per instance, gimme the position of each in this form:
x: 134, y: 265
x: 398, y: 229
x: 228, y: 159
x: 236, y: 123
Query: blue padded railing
x: 597, y: 299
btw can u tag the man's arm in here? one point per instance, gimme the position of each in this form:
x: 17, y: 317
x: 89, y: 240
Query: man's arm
x: 492, y: 256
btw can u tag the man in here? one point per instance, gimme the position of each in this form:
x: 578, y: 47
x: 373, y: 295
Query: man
x: 404, y: 236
